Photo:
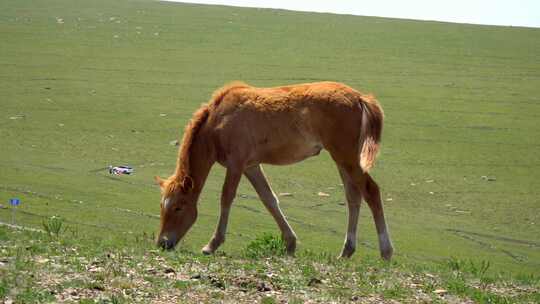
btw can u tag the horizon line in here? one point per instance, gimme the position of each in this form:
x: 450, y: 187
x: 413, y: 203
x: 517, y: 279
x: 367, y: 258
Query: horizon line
x: 353, y: 14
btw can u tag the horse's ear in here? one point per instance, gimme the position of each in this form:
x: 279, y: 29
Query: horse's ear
x: 187, y: 184
x: 159, y: 181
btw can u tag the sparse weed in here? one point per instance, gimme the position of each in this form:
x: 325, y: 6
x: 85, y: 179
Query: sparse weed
x: 268, y: 300
x: 394, y: 292
x: 117, y: 299
x: 54, y: 226
x: 3, y: 288
x: 264, y: 246
x: 308, y: 271
x: 182, y: 284
x: 528, y: 279
x: 457, y: 285
x: 478, y: 270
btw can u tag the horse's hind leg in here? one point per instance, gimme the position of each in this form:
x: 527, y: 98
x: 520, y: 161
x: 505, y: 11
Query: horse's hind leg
x: 256, y: 177
x: 372, y: 194
x: 360, y: 185
x: 353, y: 195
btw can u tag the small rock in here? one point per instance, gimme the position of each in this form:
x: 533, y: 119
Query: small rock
x: 323, y: 194
x: 98, y: 287
x: 314, y: 281
x: 217, y: 283
x: 389, y: 199
x: 174, y: 142
x: 429, y: 181
x: 162, y: 114
x: 42, y: 260
x: 262, y: 287
x: 431, y: 192
x: 285, y: 194
x: 72, y: 292
x: 440, y: 291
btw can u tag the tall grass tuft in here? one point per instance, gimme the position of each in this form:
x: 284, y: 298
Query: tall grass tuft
x: 265, y: 245
x: 54, y: 226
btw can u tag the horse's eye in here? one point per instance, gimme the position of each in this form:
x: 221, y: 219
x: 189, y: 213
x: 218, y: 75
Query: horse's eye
x: 178, y: 208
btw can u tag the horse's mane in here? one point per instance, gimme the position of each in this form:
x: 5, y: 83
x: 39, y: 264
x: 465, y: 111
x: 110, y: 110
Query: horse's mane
x: 181, y: 180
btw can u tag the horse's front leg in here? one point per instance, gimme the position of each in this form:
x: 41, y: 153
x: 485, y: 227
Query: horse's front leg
x: 258, y: 180
x: 228, y: 193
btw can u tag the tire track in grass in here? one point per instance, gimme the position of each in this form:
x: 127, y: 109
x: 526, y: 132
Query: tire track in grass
x: 75, y: 201
x: 67, y: 221
x: 20, y: 227
x: 488, y: 246
x: 496, y: 237
x: 468, y: 142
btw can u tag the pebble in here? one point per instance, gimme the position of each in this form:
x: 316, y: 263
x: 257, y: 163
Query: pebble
x: 314, y: 281
x: 440, y: 291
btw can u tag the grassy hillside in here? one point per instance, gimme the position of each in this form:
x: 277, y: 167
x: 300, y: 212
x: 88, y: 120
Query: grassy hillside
x: 85, y: 84
x: 61, y: 266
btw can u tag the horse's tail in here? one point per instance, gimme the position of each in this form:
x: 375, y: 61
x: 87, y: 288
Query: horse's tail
x: 370, y: 131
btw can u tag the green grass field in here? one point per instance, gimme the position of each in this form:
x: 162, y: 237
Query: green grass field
x: 85, y: 84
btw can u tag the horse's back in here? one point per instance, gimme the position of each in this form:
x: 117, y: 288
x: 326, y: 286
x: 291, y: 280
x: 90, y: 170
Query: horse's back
x: 283, y: 125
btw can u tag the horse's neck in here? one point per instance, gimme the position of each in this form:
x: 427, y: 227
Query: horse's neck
x: 201, y: 159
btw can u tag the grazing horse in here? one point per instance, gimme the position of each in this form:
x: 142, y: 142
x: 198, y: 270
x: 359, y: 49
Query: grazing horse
x: 242, y: 127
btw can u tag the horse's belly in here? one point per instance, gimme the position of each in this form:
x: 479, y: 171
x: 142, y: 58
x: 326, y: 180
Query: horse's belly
x: 289, y: 153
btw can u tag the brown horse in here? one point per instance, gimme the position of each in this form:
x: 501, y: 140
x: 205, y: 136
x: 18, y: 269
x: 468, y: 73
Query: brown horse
x: 242, y: 127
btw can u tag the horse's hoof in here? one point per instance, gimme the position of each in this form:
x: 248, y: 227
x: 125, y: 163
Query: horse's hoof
x: 348, y: 250
x: 387, y: 254
x: 207, y: 250
x: 291, y: 249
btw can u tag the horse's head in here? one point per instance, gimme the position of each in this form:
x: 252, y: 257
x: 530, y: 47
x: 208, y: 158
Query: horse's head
x: 178, y: 211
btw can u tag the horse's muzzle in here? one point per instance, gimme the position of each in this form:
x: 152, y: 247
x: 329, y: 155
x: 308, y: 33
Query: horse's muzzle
x: 166, y: 244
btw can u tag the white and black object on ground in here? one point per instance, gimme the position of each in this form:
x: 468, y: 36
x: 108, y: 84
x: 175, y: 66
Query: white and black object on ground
x: 117, y: 170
